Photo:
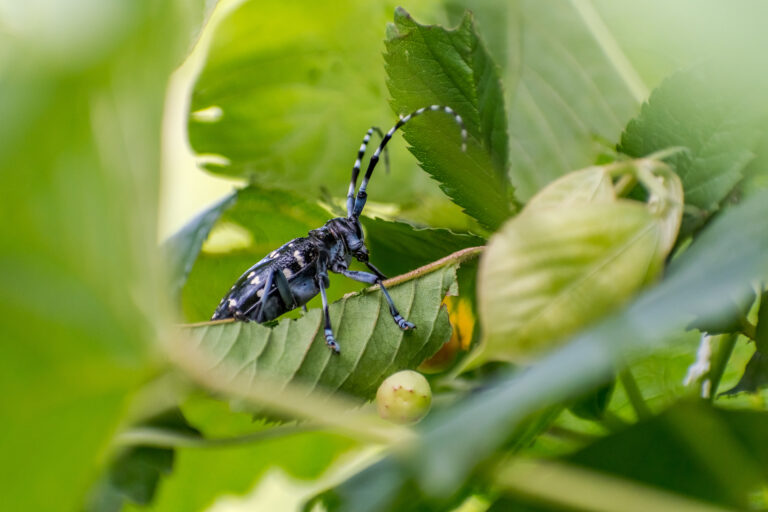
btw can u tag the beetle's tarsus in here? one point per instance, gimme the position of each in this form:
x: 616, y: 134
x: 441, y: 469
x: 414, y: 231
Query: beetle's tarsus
x: 403, y: 323
x: 331, y: 342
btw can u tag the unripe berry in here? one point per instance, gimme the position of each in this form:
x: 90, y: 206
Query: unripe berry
x: 404, y: 397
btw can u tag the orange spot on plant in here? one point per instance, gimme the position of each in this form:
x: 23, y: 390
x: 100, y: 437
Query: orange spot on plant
x: 463, y: 323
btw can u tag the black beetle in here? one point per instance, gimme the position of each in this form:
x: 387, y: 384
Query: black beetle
x: 291, y: 275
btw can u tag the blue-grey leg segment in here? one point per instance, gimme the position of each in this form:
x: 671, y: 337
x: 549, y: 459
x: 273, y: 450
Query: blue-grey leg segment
x: 330, y: 340
x: 366, y: 277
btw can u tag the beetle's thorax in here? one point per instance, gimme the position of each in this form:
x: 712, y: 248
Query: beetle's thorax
x: 342, y: 237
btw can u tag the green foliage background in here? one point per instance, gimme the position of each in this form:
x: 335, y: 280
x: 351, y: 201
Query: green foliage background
x: 108, y: 406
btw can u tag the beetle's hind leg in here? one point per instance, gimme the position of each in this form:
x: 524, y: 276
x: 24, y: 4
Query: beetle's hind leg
x: 377, y: 278
x: 330, y: 340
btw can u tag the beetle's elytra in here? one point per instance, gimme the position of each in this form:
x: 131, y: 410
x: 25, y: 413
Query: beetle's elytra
x: 291, y: 275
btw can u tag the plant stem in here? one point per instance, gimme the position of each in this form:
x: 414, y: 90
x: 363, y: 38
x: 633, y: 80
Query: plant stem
x: 725, y: 344
x: 164, y: 438
x: 634, y: 394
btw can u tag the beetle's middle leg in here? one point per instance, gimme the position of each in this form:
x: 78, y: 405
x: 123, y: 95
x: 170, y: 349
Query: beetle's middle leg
x: 377, y: 278
x: 322, y: 283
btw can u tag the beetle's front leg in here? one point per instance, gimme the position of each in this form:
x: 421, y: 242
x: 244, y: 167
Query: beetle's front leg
x: 367, y: 277
x: 322, y: 283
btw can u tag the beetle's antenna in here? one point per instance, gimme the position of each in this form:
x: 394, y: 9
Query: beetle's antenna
x: 358, y: 161
x: 359, y: 203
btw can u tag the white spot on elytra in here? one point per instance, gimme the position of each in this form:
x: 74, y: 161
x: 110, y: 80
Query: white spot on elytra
x: 260, y: 292
x: 251, y: 274
x: 299, y: 257
x: 287, y: 273
x: 232, y: 303
x: 256, y: 280
x: 273, y: 254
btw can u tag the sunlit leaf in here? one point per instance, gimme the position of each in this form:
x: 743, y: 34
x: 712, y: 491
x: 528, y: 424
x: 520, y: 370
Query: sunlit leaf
x: 287, y: 92
x: 590, y: 185
x: 428, y: 65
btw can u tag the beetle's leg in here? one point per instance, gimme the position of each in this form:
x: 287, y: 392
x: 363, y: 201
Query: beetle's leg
x: 284, y: 287
x: 367, y: 277
x: 322, y: 282
x: 358, y: 162
x: 263, y: 299
x: 304, y: 308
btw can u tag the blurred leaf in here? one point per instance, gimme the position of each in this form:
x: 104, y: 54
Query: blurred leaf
x: 287, y: 93
x: 569, y: 89
x: 135, y: 473
x: 184, y: 246
x: 696, y: 284
x: 658, y: 38
x: 730, y: 318
x: 592, y: 405
x: 81, y: 300
x: 372, y: 346
x: 714, y: 111
x: 712, y: 454
x: 756, y: 372
x: 549, y: 272
x: 590, y: 185
x: 429, y: 65
x: 258, y: 222
x: 555, y: 486
x: 755, y: 375
x: 202, y: 476
x: 397, y: 247
x: 384, y: 486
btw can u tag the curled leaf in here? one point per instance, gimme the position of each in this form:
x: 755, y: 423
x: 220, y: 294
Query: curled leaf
x: 550, y: 272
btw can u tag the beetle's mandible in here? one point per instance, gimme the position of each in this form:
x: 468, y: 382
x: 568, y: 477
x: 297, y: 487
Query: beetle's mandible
x: 291, y: 275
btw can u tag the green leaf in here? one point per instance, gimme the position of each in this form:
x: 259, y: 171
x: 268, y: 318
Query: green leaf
x: 723, y: 452
x: 569, y: 89
x: 549, y: 272
x: 717, y: 113
x: 287, y: 93
x: 429, y: 65
x: 258, y: 222
x: 755, y: 374
x: 134, y: 474
x: 397, y: 247
x: 202, y: 476
x: 590, y: 185
x: 697, y: 283
x: 184, y: 246
x: 592, y: 405
x: 372, y: 346
x: 82, y: 96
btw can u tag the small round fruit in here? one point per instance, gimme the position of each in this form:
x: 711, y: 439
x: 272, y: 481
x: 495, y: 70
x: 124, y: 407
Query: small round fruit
x: 404, y: 397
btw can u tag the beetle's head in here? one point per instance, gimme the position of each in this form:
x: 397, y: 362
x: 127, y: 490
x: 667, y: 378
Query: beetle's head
x: 350, y: 232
